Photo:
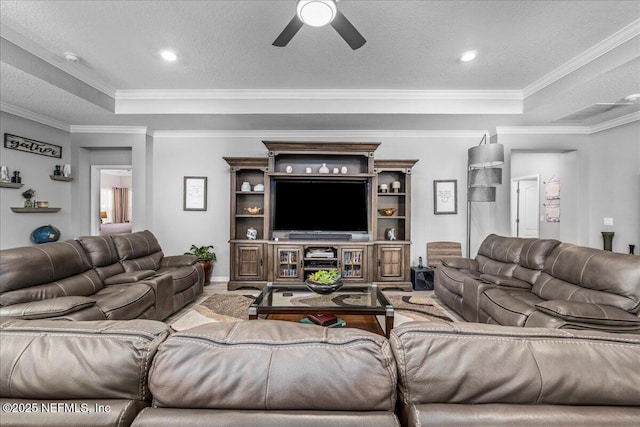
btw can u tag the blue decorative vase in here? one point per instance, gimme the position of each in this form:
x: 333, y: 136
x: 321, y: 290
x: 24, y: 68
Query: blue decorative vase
x: 45, y: 234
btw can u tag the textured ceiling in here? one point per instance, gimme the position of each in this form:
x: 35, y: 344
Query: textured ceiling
x: 411, y: 45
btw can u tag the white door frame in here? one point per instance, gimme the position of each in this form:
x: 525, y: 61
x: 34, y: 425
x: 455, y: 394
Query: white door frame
x: 514, y: 201
x: 95, y: 194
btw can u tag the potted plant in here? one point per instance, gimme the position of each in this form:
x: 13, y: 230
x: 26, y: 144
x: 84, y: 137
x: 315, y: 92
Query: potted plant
x: 206, y: 257
x: 28, y: 195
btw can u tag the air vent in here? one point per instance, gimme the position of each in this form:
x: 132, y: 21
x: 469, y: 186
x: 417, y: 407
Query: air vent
x: 592, y: 111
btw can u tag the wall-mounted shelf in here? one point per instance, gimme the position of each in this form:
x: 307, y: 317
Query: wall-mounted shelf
x: 35, y: 210
x: 61, y: 178
x: 10, y: 185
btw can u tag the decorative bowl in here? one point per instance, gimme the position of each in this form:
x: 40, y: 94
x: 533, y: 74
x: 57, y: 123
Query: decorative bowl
x: 387, y: 211
x: 323, y: 289
x: 254, y: 210
x: 42, y: 204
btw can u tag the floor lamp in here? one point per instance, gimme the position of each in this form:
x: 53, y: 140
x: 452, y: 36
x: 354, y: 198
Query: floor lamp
x: 482, y: 176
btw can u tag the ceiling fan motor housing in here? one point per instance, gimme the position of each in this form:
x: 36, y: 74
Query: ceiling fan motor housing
x: 316, y: 13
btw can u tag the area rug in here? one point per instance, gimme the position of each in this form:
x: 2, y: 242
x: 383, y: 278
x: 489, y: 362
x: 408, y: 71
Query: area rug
x: 235, y: 307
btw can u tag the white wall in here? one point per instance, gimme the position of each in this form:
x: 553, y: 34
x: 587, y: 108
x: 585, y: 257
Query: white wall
x: 547, y: 166
x: 614, y: 184
x: 15, y: 229
x: 107, y: 149
x: 174, y: 158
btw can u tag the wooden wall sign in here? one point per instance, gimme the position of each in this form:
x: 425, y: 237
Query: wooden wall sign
x: 27, y: 145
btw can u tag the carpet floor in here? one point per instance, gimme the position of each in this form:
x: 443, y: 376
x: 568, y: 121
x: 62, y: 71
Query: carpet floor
x: 235, y: 307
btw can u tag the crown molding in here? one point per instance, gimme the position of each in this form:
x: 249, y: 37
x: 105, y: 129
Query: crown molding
x: 283, y: 134
x: 311, y: 94
x: 608, y: 44
x: 30, y: 115
x: 629, y: 118
x: 108, y: 129
x: 49, y: 55
x: 543, y: 130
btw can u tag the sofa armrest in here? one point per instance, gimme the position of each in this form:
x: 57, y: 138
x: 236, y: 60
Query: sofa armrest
x: 505, y: 281
x: 129, y: 277
x: 597, y: 314
x: 178, y: 260
x: 162, y: 286
x: 472, y: 290
x: 460, y: 263
x: 46, y: 308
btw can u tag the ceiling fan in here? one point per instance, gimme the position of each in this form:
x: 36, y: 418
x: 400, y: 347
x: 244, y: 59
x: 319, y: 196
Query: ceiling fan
x: 317, y: 13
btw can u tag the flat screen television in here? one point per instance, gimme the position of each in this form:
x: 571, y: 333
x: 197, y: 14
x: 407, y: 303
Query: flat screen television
x: 308, y: 205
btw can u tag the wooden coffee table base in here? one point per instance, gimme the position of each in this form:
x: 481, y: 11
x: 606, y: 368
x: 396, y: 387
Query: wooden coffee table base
x: 364, y: 322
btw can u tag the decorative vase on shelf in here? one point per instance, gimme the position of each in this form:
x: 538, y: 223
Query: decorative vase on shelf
x: 607, y: 236
x: 57, y: 171
x: 246, y: 186
x: 28, y: 203
x: 323, y: 168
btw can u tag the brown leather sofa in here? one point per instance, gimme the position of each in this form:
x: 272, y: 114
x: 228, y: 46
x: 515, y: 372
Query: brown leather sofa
x: 112, y: 277
x: 272, y: 373
x: 543, y: 283
x: 76, y: 373
x: 467, y: 374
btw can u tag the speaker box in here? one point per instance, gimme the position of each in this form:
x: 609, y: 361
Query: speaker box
x: 422, y: 278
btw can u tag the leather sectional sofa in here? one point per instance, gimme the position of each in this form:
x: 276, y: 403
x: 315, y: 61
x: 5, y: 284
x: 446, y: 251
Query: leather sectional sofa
x: 273, y: 373
x: 543, y: 283
x: 115, y: 277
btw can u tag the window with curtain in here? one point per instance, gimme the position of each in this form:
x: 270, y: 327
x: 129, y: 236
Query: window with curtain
x: 121, y: 205
x: 106, y: 203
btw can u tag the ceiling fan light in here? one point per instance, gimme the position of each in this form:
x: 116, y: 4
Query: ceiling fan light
x: 316, y: 13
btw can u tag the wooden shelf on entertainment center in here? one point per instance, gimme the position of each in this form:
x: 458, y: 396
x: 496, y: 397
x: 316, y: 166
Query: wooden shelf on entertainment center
x: 256, y: 262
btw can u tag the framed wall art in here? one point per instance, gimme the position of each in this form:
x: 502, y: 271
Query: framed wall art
x: 14, y: 142
x: 195, y: 193
x: 445, y: 197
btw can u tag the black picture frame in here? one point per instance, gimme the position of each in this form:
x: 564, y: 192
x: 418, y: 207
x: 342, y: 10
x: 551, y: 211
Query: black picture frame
x: 445, y: 197
x: 195, y: 193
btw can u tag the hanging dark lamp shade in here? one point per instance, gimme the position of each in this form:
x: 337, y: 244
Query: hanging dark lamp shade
x: 485, y: 177
x: 481, y: 194
x: 486, y: 155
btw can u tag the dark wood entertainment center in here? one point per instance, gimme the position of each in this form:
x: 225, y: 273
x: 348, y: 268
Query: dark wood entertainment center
x: 275, y: 257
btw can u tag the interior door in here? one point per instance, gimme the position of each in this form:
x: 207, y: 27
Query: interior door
x: 525, y: 212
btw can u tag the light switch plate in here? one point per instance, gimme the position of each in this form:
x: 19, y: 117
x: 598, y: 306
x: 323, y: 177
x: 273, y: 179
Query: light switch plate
x: 608, y: 221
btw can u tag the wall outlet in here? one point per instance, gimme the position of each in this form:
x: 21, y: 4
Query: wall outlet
x: 608, y: 221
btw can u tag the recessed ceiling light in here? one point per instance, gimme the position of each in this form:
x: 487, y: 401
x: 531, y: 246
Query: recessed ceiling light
x: 632, y: 98
x: 469, y: 55
x: 167, y: 55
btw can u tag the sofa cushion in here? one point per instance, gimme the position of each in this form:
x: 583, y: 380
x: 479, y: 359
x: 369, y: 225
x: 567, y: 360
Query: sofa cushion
x: 183, y: 277
x: 551, y: 288
x: 588, y: 313
x: 100, y: 250
x: 452, y: 278
x: 129, y: 277
x: 505, y: 281
x: 591, y: 269
x: 470, y: 363
x: 508, y: 306
x: 274, y: 365
x: 136, y: 245
x: 503, y: 249
x: 148, y: 262
x: 460, y: 263
x: 534, y: 252
x: 34, y: 265
x: 48, y: 359
x: 85, y: 284
x: 47, y: 308
x: 121, y: 302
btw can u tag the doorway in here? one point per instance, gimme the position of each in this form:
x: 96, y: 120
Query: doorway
x: 111, y: 199
x: 525, y: 206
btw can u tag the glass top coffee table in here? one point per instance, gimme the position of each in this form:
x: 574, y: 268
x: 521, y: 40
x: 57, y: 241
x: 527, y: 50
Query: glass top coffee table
x: 361, y: 303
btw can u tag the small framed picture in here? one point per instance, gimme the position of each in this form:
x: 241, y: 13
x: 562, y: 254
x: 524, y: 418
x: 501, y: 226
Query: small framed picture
x: 195, y: 193
x: 445, y: 197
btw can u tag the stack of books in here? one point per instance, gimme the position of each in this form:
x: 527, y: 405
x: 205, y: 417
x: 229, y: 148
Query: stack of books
x: 328, y: 320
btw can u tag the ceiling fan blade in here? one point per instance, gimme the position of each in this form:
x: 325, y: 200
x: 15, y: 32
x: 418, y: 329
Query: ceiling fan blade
x: 347, y: 31
x: 289, y: 31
